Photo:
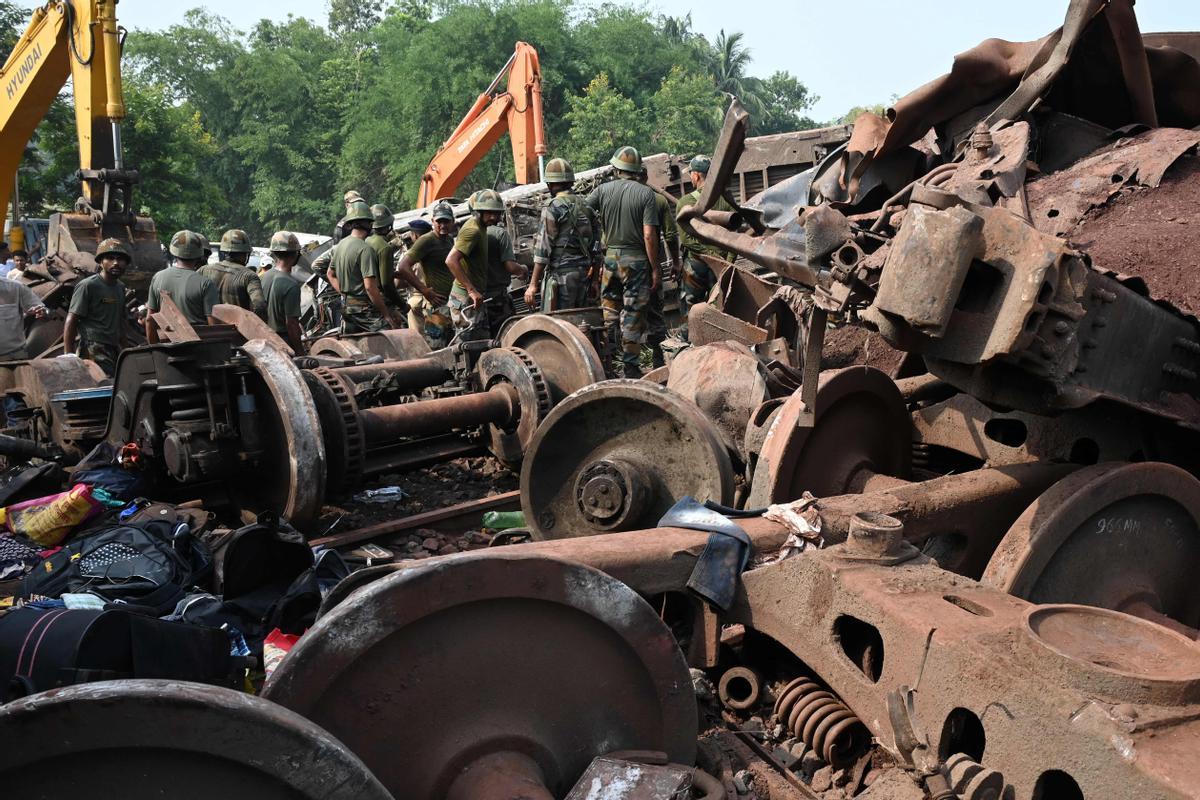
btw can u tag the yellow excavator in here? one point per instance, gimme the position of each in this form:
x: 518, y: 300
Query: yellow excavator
x: 79, y: 39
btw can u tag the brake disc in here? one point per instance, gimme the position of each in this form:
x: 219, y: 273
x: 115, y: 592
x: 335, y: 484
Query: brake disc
x: 450, y: 662
x: 862, y: 430
x: 146, y: 740
x: 562, y: 352
x: 290, y: 478
x: 1120, y: 536
x: 616, y: 456
x: 513, y: 366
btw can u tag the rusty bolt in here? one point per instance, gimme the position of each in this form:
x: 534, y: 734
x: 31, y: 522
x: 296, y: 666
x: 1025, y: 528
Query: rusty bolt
x: 876, y: 534
x: 981, y: 140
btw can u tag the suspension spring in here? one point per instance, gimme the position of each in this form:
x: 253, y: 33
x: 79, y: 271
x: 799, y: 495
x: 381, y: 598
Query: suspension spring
x: 816, y: 717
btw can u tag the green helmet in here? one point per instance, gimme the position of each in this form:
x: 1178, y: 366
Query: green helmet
x: 235, y: 241
x: 284, y: 242
x: 488, y: 200
x: 442, y: 210
x: 700, y: 164
x: 627, y: 159
x: 113, y: 247
x: 188, y: 245
x: 471, y: 200
x: 559, y: 171
x: 383, y: 216
x: 358, y: 211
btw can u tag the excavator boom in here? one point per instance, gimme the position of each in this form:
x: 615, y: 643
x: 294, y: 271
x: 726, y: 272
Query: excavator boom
x: 79, y: 39
x: 517, y: 110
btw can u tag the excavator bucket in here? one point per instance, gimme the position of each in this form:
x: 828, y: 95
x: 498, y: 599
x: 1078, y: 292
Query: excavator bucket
x: 72, y: 235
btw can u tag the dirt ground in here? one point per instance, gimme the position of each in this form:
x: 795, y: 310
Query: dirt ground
x: 427, y: 489
x: 1153, y: 234
x: 850, y: 345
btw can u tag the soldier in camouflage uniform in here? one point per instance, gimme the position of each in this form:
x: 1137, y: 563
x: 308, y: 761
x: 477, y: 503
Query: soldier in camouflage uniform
x: 629, y: 219
x: 354, y: 273
x: 657, y: 319
x: 429, y: 311
x: 237, y: 284
x: 95, y: 326
x: 468, y: 262
x: 194, y: 294
x: 698, y: 279
x: 383, y: 243
x: 568, y: 244
x: 282, y: 289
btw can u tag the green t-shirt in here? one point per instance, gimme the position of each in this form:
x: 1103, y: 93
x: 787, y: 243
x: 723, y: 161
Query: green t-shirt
x: 100, y: 308
x: 692, y: 246
x: 472, y: 242
x: 624, y: 206
x: 194, y: 294
x: 430, y: 251
x: 354, y: 260
x: 283, y: 298
x: 500, y: 250
x: 385, y: 256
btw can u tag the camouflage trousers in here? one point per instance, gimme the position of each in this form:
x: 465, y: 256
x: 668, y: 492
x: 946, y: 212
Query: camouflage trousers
x: 361, y: 316
x: 564, y: 288
x: 625, y: 298
x: 697, y: 281
x: 499, y: 308
x: 103, y: 353
x: 656, y: 327
x: 470, y: 323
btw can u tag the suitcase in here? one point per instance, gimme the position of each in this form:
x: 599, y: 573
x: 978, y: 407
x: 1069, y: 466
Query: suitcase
x: 43, y: 649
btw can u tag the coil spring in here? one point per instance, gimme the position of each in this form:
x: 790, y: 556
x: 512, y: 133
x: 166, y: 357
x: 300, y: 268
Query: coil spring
x: 824, y: 723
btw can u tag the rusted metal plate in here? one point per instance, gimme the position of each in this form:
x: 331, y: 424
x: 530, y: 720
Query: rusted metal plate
x: 250, y: 325
x: 437, y: 666
x: 145, y: 740
x: 1120, y: 536
x: 616, y: 456
x: 725, y: 382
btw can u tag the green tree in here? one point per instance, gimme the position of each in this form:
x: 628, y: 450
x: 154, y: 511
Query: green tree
x: 602, y: 119
x: 784, y: 99
x: 729, y: 71
x: 687, y: 113
x: 879, y: 109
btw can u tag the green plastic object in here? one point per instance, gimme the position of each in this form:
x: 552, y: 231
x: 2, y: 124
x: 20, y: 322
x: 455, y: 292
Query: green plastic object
x: 503, y: 520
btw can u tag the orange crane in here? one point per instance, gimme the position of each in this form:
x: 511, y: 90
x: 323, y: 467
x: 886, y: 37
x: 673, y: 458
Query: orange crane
x: 517, y: 110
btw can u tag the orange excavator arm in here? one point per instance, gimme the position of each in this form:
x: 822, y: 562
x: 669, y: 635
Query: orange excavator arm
x: 517, y: 110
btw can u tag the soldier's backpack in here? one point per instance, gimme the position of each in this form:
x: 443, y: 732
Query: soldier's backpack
x: 151, y: 565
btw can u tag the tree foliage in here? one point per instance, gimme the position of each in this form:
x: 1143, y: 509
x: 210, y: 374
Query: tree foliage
x: 266, y: 128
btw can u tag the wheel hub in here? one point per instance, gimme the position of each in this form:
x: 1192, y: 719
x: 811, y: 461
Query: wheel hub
x: 616, y: 456
x: 611, y: 491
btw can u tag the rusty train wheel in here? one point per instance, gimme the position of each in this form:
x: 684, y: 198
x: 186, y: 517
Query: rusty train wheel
x: 291, y: 479
x: 563, y: 353
x: 513, y: 366
x: 1118, y: 536
x: 862, y: 429
x: 144, y: 739
x: 615, y: 456
x: 438, y: 667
